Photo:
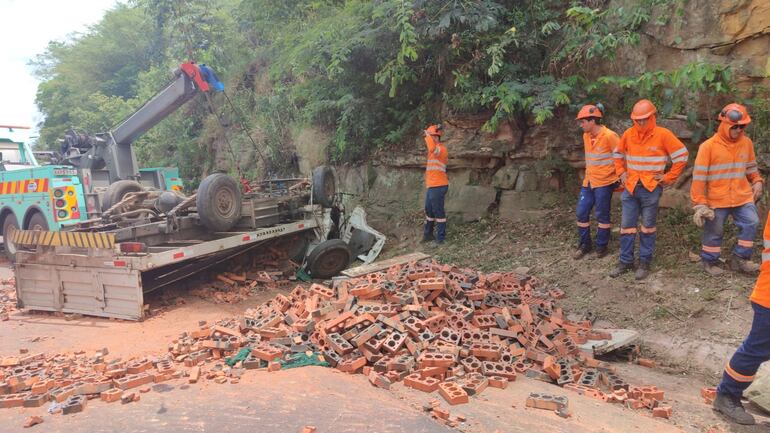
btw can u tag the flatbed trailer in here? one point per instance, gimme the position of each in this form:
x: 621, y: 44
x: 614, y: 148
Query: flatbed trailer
x: 103, y: 281
x: 103, y: 267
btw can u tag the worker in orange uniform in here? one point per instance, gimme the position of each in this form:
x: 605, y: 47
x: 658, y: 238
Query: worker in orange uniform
x: 640, y: 160
x: 437, y: 183
x: 599, y: 182
x: 755, y: 349
x: 726, y: 181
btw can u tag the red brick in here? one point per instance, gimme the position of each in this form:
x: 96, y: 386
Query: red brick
x: 452, y: 393
x: 111, y: 395
x: 662, y: 412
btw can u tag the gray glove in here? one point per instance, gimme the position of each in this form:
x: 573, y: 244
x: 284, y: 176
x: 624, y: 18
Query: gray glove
x: 702, y: 212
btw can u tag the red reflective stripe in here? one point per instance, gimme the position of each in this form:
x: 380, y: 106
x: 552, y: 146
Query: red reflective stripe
x: 178, y: 255
x: 246, y: 238
x: 709, y: 249
x: 648, y: 229
x: 604, y: 226
x: 747, y: 244
x: 300, y: 226
x: 119, y: 263
x: 584, y: 225
x: 628, y: 231
x: 737, y: 376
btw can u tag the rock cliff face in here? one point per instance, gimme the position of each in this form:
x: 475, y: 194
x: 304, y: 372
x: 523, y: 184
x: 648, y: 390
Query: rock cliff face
x: 514, y: 173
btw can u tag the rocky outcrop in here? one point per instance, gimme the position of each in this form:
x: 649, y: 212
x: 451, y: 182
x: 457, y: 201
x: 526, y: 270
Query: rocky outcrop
x: 515, y: 172
x: 729, y: 32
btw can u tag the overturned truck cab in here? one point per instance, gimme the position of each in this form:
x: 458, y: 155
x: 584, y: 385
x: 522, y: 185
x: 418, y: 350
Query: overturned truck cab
x: 148, y: 239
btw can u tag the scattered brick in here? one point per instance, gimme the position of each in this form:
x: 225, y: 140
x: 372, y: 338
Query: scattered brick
x: 547, y: 401
x: 662, y: 412
x: 33, y: 421
x: 646, y: 362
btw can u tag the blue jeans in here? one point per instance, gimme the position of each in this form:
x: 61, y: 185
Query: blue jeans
x: 642, y: 203
x: 740, y: 371
x: 599, y: 199
x: 434, y: 213
x: 746, y: 219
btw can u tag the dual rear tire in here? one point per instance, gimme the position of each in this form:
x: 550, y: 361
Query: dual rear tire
x: 10, y: 225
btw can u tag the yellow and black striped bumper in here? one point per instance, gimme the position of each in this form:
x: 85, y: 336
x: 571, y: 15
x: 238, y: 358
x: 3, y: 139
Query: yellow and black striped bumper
x: 63, y: 239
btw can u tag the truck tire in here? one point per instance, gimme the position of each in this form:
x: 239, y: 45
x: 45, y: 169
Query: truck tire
x: 10, y: 225
x: 219, y: 202
x: 37, y: 222
x: 324, y: 186
x: 328, y: 259
x: 116, y: 191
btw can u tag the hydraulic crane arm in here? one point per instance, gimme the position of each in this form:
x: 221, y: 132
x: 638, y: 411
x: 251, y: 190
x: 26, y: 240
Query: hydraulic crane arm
x: 188, y: 81
x: 113, y: 151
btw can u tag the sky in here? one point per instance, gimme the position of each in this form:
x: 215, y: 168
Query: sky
x: 26, y: 29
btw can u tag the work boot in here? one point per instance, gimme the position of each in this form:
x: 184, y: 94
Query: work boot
x: 730, y: 406
x: 601, y: 252
x: 712, y: 268
x: 620, y: 269
x: 642, y: 271
x: 580, y: 253
x: 738, y: 264
x: 438, y: 242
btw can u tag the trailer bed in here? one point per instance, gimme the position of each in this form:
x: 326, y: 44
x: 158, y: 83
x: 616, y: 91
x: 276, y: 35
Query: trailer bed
x: 62, y: 275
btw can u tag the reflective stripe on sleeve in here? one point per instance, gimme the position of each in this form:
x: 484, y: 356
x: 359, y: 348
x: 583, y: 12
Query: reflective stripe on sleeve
x: 682, y: 151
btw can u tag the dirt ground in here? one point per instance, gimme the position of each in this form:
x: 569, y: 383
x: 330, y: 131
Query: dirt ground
x: 689, y: 323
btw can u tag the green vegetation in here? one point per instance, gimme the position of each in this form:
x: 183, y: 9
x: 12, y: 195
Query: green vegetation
x: 367, y: 73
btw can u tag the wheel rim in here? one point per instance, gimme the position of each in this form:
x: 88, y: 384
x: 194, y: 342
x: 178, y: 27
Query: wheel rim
x: 224, y: 201
x: 332, y: 262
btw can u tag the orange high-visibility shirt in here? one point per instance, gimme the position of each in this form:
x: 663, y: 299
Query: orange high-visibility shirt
x: 600, y: 168
x: 643, y: 155
x: 724, y: 171
x: 761, y: 292
x: 435, y: 166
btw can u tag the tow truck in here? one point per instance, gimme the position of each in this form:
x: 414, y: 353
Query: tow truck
x: 142, y: 234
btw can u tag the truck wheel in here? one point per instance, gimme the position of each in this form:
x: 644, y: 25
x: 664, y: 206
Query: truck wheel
x: 324, y: 187
x: 219, y: 202
x: 116, y: 191
x: 328, y: 259
x: 10, y: 225
x: 37, y: 223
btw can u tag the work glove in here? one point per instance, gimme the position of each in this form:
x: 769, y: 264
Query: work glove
x: 702, y: 212
x: 756, y: 189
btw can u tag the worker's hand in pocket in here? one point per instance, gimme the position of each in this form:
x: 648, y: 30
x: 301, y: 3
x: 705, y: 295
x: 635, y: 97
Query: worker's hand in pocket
x: 623, y: 178
x: 756, y: 188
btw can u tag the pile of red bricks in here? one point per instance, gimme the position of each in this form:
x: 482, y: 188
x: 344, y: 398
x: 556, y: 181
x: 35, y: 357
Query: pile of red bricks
x: 238, y: 284
x: 433, y: 327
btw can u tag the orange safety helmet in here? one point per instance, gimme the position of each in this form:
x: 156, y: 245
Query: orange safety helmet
x: 735, y: 114
x: 590, y: 111
x: 643, y: 109
x: 435, y: 130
